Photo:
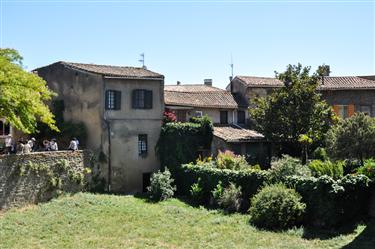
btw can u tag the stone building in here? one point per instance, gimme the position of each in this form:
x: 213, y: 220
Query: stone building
x: 346, y: 95
x: 121, y: 108
x: 228, y: 113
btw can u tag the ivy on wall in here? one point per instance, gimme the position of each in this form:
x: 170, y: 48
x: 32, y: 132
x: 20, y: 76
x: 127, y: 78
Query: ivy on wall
x: 181, y: 142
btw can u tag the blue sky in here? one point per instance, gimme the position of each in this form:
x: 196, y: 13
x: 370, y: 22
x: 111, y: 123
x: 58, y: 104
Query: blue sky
x: 192, y: 40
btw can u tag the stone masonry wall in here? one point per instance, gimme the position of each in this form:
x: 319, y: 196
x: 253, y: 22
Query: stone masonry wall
x: 33, y: 186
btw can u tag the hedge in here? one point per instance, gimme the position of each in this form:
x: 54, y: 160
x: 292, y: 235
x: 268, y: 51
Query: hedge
x: 329, y: 202
x: 250, y: 181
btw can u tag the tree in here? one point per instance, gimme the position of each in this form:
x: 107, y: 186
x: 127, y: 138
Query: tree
x: 353, y: 138
x: 296, y: 110
x: 23, y: 95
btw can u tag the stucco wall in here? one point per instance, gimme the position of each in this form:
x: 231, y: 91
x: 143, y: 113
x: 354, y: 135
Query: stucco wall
x: 17, y: 190
x: 81, y: 93
x: 351, y: 97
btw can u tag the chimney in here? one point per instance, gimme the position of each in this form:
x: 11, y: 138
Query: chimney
x: 208, y: 82
x: 178, y: 83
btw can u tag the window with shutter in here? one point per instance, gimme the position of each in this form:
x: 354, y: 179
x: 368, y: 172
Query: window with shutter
x: 142, y: 99
x: 142, y: 145
x: 223, y: 117
x: 112, y: 100
x: 241, y: 117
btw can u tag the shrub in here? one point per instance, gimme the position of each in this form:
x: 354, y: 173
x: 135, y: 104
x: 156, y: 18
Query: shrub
x: 161, y: 187
x: 332, y: 169
x: 276, y: 207
x: 287, y: 166
x: 368, y: 169
x: 229, y: 198
x: 228, y: 160
x: 197, y: 193
x: 351, y: 166
x: 320, y: 154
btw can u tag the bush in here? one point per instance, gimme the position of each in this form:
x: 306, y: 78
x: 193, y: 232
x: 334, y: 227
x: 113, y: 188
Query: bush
x: 228, y: 160
x: 332, y: 203
x: 197, y: 193
x: 276, y: 207
x: 320, y: 154
x: 287, y: 166
x: 228, y: 198
x: 161, y: 187
x: 351, y: 166
x: 368, y: 169
x: 188, y: 174
x: 332, y: 169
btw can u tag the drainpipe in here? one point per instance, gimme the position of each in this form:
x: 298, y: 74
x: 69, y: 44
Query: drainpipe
x: 108, y: 124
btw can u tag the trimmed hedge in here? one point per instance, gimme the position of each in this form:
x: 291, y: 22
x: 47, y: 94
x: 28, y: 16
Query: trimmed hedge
x: 329, y: 202
x: 249, y: 180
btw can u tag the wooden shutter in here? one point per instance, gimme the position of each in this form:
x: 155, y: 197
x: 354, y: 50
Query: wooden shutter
x: 106, y: 99
x: 117, y: 100
x: 134, y: 98
x: 148, y: 99
x: 350, y: 110
x: 336, y: 110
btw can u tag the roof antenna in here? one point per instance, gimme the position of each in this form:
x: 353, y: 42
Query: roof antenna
x: 231, y: 66
x: 142, y: 60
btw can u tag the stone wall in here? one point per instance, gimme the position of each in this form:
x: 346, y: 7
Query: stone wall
x: 22, y: 182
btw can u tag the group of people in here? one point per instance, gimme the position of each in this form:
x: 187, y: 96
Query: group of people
x: 31, y: 145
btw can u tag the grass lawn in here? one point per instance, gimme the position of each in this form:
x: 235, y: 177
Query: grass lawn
x: 106, y: 221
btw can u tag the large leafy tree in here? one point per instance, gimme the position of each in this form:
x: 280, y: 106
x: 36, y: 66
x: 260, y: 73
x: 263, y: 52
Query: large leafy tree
x: 353, y: 138
x: 23, y: 95
x: 295, y: 113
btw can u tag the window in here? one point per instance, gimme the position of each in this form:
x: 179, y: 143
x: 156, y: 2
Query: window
x: 142, y: 99
x: 241, y: 117
x: 142, y: 145
x: 4, y: 128
x: 223, y: 117
x: 344, y: 111
x: 112, y: 100
x: 198, y: 114
x: 366, y: 109
x: 181, y: 115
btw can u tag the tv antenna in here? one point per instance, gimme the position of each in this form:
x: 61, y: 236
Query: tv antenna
x: 142, y: 60
x: 231, y: 65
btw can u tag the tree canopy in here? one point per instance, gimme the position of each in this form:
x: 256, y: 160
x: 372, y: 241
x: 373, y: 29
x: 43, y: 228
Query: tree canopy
x: 353, y: 138
x: 293, y: 111
x: 23, y: 95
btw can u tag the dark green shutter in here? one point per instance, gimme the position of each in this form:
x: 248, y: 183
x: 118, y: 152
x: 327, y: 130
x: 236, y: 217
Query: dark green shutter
x: 148, y: 99
x: 134, y: 96
x: 106, y: 99
x: 117, y: 100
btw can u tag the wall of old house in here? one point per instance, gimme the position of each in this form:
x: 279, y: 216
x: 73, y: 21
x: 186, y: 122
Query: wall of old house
x: 81, y: 93
x: 126, y: 124
x: 357, y: 98
x: 214, y: 114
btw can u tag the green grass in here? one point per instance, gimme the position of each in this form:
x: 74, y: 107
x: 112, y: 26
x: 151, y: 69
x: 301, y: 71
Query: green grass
x: 105, y: 221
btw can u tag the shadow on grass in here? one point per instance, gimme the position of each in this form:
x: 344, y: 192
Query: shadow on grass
x: 326, y: 234
x: 365, y: 240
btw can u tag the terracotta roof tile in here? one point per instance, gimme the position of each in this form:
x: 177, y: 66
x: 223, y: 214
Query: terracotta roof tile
x: 198, y: 96
x: 114, y: 71
x: 236, y: 134
x: 330, y: 82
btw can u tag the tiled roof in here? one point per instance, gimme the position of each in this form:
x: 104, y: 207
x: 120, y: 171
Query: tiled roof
x: 346, y: 82
x: 236, y: 134
x: 330, y: 82
x: 260, y: 81
x: 114, y: 71
x: 198, y: 96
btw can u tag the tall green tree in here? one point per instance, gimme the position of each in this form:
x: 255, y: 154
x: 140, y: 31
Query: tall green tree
x: 23, y: 95
x: 353, y: 138
x: 296, y: 110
